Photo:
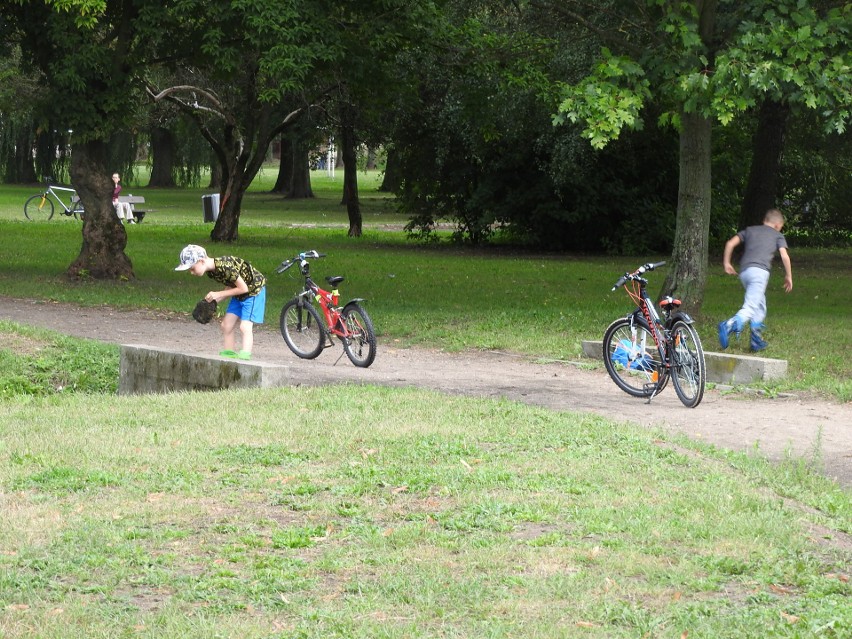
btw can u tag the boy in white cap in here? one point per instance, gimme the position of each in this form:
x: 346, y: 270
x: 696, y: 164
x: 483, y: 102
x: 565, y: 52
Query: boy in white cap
x: 246, y: 286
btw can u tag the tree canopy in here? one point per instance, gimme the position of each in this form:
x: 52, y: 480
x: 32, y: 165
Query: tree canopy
x: 705, y: 61
x: 484, y: 106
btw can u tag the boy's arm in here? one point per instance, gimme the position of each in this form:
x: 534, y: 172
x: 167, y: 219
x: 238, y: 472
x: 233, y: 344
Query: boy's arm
x: 730, y: 245
x: 239, y: 288
x: 788, y: 269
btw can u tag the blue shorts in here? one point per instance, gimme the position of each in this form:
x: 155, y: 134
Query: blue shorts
x: 251, y: 308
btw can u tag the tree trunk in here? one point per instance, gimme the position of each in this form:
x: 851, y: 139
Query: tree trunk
x: 215, y: 177
x: 301, y: 185
x: 350, y: 172
x: 284, y: 183
x: 393, y: 175
x: 227, y: 227
x: 767, y: 146
x: 238, y: 173
x: 162, y: 158
x: 688, y: 267
x: 102, y: 254
x: 21, y: 168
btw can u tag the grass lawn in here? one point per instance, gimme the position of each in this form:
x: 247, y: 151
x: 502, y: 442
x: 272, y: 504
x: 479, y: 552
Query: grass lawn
x: 349, y: 511
x: 373, y: 512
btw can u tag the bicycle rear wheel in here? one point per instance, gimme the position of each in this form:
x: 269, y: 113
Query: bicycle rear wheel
x: 302, y: 328
x: 77, y: 210
x: 689, y: 371
x: 631, y: 358
x: 38, y: 208
x: 360, y: 346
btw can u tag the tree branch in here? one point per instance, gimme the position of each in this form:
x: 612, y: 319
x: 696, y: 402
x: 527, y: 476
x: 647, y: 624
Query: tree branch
x: 606, y: 35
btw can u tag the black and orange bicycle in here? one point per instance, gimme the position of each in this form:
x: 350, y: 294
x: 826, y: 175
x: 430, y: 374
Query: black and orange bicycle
x: 307, y: 333
x: 642, y: 350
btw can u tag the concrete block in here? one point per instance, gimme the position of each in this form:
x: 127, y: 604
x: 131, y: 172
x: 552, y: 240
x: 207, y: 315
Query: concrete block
x: 144, y: 369
x: 722, y: 368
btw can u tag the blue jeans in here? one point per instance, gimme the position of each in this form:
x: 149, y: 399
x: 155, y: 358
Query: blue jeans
x: 754, y: 280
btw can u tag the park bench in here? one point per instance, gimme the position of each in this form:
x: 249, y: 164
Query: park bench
x: 133, y: 200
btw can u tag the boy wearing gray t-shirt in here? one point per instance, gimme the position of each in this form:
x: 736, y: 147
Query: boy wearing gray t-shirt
x: 759, y: 246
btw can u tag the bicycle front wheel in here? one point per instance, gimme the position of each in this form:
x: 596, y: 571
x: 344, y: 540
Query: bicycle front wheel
x: 360, y: 345
x: 631, y: 358
x: 38, y: 208
x: 688, y: 366
x: 302, y: 328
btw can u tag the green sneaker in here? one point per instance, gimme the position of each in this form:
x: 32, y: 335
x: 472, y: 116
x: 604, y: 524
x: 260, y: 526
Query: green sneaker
x: 227, y: 353
x: 244, y: 355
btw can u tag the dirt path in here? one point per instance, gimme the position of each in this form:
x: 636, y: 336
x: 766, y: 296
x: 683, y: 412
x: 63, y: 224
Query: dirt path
x: 797, y: 425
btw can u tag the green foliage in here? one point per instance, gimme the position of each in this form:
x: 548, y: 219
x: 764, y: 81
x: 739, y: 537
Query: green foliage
x: 34, y: 362
x: 611, y: 97
x: 793, y: 53
x: 789, y: 51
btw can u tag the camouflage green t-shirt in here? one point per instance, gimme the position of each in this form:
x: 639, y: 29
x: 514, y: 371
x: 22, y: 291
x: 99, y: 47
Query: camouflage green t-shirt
x: 228, y: 268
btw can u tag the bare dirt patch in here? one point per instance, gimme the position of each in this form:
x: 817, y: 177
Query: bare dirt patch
x: 21, y: 344
x: 802, y: 426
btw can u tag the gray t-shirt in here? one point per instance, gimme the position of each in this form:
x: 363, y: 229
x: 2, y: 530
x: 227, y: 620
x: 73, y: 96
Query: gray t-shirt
x: 760, y: 243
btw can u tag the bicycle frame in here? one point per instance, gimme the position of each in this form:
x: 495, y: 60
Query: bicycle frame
x: 328, y: 301
x: 639, y: 294
x: 52, y: 191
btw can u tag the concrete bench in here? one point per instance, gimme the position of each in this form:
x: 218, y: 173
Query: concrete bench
x: 144, y: 369
x: 722, y: 368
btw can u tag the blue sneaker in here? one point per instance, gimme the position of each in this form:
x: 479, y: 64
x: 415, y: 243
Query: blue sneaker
x: 757, y: 342
x: 724, y: 332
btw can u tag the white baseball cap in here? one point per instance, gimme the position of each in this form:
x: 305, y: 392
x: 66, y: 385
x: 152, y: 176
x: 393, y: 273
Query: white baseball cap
x: 189, y: 256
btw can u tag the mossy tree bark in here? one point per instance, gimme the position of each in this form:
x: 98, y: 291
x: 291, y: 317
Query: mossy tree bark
x: 102, y: 253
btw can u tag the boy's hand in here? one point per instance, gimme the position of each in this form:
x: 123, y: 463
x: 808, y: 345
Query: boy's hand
x: 729, y: 268
x: 788, y: 284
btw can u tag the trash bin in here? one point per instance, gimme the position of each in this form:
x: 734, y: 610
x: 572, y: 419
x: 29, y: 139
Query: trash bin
x: 210, y: 204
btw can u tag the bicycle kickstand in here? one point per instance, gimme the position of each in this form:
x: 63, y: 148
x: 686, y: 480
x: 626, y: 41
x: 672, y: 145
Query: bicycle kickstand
x: 654, y: 388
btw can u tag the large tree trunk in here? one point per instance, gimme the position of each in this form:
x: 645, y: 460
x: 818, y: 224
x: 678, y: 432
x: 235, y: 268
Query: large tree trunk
x: 301, y: 187
x: 20, y: 168
x: 227, y: 227
x: 215, y: 177
x: 104, y: 238
x: 162, y: 158
x: 239, y: 166
x: 766, y: 148
x: 393, y: 174
x: 284, y: 183
x: 350, y: 172
x: 688, y: 267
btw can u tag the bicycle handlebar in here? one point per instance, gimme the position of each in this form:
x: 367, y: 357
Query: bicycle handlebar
x: 300, y: 258
x: 650, y: 266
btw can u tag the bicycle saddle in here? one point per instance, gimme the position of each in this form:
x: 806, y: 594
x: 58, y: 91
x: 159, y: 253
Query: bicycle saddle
x: 334, y: 280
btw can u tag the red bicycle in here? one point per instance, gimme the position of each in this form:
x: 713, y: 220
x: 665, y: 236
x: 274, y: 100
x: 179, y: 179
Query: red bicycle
x: 307, y: 333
